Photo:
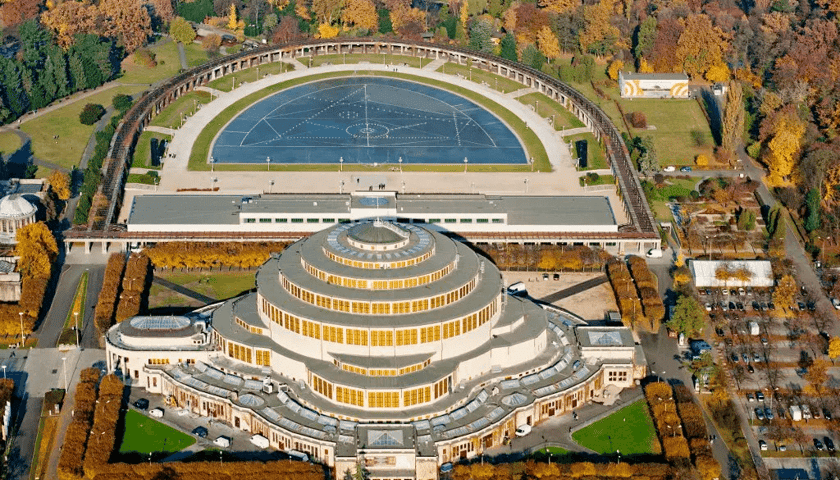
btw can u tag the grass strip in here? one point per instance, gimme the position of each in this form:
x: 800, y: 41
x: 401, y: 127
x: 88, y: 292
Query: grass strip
x: 201, y: 148
x: 47, y: 428
x: 77, y: 309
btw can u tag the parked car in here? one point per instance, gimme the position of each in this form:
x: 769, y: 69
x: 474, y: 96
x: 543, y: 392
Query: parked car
x: 759, y: 396
x: 756, y: 357
x: 759, y: 414
x: 764, y: 341
x: 762, y: 445
x: 141, y: 404
x: 740, y: 307
x: 725, y: 291
x: 745, y: 358
x: 222, y: 441
x: 756, y: 306
x: 829, y: 444
x: 523, y: 430
x: 670, y: 168
x: 818, y: 444
x: 685, y: 169
x: 836, y: 303
x: 827, y: 414
x: 557, y: 276
x: 750, y: 369
x: 750, y: 397
x: 708, y: 307
x: 783, y: 448
x: 771, y: 306
x: 156, y: 412
x: 200, y: 432
x: 741, y: 291
x: 768, y: 413
x: 732, y: 306
x: 801, y: 306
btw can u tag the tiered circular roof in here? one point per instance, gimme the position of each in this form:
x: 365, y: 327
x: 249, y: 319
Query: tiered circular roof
x: 15, y: 206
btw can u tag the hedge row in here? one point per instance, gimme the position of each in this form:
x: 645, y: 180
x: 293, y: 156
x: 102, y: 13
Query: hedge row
x: 73, y: 451
x: 134, y: 287
x: 173, y: 255
x: 105, y: 419
x: 255, y: 470
x: 544, y: 257
x: 660, y: 398
x: 105, y: 306
x: 539, y: 470
x: 632, y: 313
x: 648, y: 292
x: 695, y: 429
x: 93, y: 172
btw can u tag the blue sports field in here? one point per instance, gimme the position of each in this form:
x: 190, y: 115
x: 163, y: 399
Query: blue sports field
x: 367, y: 120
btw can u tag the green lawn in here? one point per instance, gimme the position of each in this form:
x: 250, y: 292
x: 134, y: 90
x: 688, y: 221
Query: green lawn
x: 225, y: 83
x: 219, y: 285
x: 143, y: 150
x: 602, y: 180
x: 145, y: 435
x: 317, y: 60
x: 478, y: 75
x: 145, y: 179
x: 67, y: 149
x: 597, y: 157
x: 629, y: 430
x: 168, y: 64
x: 201, y: 148
x: 549, y: 108
x: 170, y: 117
x: 9, y: 143
x: 677, y: 123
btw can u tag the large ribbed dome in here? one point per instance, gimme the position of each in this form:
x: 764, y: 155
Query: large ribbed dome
x: 15, y: 206
x: 377, y: 232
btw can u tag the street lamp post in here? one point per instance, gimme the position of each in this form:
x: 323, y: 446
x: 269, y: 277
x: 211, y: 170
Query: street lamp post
x: 77, y: 327
x: 400, y: 160
x: 340, y: 164
x: 267, y: 163
x: 465, y: 164
x: 212, y: 164
x: 526, y: 185
x: 341, y: 187
x: 22, y: 337
x: 64, y: 371
x: 270, y: 185
x: 4, y: 372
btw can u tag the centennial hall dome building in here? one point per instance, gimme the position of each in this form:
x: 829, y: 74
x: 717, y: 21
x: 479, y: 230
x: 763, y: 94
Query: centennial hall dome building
x: 377, y: 342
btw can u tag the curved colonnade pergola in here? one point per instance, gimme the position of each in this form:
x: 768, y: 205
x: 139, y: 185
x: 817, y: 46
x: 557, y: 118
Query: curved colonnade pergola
x: 119, y: 158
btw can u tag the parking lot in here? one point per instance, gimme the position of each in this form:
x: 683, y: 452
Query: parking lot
x: 777, y: 359
x: 184, y: 421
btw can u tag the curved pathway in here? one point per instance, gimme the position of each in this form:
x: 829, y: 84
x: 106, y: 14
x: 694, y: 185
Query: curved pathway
x: 561, y: 181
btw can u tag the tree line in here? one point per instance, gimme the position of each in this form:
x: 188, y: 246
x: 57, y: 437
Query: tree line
x: 512, y: 256
x: 532, y: 469
x: 135, y: 287
x: 206, y: 255
x: 106, y: 303
x: 70, y: 466
x: 636, y: 293
x: 37, y: 250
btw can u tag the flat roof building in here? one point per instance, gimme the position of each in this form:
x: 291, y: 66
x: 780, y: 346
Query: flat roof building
x: 653, y: 85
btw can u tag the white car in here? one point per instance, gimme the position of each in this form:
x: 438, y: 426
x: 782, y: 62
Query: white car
x: 222, y: 441
x: 762, y: 445
x: 156, y: 412
x: 523, y: 430
x: 836, y: 303
x: 670, y: 168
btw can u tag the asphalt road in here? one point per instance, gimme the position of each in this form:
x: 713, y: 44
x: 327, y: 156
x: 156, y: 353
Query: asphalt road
x: 50, y: 329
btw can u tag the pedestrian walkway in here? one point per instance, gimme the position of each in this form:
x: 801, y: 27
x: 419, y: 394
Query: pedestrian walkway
x: 572, y: 131
x: 521, y: 92
x: 434, y: 64
x: 294, y: 62
x: 26, y: 142
x: 164, y: 130
x: 212, y: 91
x: 183, y: 290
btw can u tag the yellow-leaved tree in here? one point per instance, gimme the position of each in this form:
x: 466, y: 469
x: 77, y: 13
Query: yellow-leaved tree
x: 465, y: 13
x: 548, y: 44
x: 559, y: 6
x: 614, y: 68
x: 598, y: 24
x: 783, y: 147
x: 645, y: 66
x: 718, y: 73
x: 361, y: 14
x: 326, y: 30
x: 785, y: 292
x: 37, y: 250
x: 232, y: 20
x: 701, y: 45
x: 60, y: 183
x: 834, y: 348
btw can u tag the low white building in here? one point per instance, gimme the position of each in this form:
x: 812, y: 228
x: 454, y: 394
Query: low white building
x: 653, y: 85
x: 734, y: 273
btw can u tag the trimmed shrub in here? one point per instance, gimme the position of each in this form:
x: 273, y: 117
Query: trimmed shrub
x: 91, y: 113
x: 638, y: 120
x: 105, y: 306
x: 122, y: 102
